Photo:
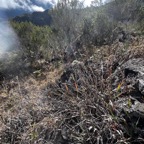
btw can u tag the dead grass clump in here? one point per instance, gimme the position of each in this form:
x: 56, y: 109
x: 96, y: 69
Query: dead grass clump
x: 87, y: 112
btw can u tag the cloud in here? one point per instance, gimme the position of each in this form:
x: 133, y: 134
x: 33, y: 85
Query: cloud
x: 6, y: 4
x: 32, y: 5
x: 20, y: 4
x: 53, y: 2
x: 37, y: 8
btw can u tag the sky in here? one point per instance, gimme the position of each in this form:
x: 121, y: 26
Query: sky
x: 31, y: 5
x: 28, y: 5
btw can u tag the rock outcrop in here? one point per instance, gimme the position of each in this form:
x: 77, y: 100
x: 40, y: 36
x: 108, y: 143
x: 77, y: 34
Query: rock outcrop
x: 134, y: 70
x: 131, y: 104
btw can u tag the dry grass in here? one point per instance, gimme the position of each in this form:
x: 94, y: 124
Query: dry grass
x: 21, y: 101
x: 83, y: 109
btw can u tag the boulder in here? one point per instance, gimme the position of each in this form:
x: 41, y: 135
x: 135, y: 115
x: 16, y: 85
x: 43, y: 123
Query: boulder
x: 134, y: 71
x: 130, y: 104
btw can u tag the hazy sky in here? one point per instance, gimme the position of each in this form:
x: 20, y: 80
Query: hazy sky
x: 31, y: 5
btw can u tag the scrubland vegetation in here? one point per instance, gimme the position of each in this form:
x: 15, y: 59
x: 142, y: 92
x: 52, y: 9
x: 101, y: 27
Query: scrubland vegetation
x: 70, y: 82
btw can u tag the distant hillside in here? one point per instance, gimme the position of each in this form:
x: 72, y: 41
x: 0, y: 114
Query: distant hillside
x: 11, y: 13
x: 37, y: 18
x: 17, y: 11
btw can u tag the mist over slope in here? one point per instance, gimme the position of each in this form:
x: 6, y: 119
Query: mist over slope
x: 8, y: 38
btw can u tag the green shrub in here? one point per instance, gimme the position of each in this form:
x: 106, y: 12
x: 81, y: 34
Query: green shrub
x: 33, y: 39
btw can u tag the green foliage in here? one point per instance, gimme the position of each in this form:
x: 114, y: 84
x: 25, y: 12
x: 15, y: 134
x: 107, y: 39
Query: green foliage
x: 32, y: 38
x: 124, y: 11
x: 67, y: 20
x: 98, y: 28
x: 104, y: 28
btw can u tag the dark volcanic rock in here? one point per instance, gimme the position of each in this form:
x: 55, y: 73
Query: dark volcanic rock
x: 134, y: 69
x: 132, y: 104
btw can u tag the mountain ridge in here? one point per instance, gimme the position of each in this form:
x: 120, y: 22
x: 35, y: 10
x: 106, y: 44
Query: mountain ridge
x: 37, y: 18
x: 11, y: 12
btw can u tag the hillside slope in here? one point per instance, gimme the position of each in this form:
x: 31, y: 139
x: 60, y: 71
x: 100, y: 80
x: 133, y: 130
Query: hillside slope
x: 77, y: 81
x: 82, y: 102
